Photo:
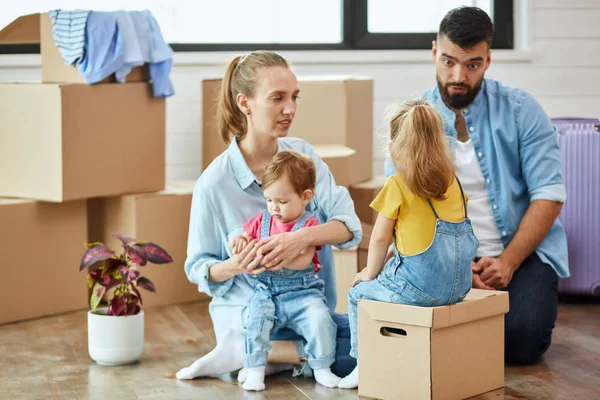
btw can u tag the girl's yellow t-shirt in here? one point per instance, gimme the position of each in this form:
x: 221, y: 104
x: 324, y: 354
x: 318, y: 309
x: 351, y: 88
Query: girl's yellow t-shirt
x: 415, y: 221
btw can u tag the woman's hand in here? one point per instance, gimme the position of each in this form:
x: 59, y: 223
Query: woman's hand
x: 277, y: 251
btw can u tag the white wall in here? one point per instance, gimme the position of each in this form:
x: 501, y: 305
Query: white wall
x: 558, y: 62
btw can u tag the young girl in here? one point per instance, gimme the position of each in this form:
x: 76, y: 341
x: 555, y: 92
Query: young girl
x: 292, y: 296
x: 424, y: 210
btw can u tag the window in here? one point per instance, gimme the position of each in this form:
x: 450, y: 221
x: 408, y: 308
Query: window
x: 409, y: 24
x: 205, y: 25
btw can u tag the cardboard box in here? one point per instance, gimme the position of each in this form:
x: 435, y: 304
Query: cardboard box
x: 163, y: 218
x: 37, y: 29
x: 339, y: 160
x: 332, y: 110
x: 448, y: 352
x: 346, y: 268
x: 338, y: 109
x: 61, y: 142
x: 363, y: 194
x: 41, y: 245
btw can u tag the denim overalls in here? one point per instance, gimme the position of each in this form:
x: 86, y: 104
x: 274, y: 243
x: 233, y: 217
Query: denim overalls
x: 292, y: 299
x: 439, y: 275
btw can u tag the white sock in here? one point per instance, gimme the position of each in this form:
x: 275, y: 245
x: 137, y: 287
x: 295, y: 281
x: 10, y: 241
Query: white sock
x: 350, y: 381
x: 255, y: 379
x: 226, y: 357
x: 325, y: 377
x: 270, y: 369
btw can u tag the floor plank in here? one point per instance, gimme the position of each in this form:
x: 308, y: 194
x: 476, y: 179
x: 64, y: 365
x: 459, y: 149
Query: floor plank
x: 48, y: 359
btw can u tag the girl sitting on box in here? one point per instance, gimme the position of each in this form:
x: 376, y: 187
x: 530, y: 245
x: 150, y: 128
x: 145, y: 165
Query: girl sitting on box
x: 423, y: 209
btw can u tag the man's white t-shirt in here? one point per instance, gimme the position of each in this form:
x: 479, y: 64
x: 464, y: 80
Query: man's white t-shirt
x: 479, y: 208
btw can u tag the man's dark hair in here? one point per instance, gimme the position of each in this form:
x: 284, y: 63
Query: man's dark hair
x: 467, y: 27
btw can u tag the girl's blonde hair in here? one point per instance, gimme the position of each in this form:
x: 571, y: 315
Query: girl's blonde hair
x: 298, y: 168
x: 240, y: 77
x: 420, y: 151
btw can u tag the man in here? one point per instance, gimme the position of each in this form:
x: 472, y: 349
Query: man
x: 508, y: 160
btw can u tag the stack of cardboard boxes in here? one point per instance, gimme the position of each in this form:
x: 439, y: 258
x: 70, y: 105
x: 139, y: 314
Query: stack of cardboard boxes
x: 69, y: 152
x: 335, y: 114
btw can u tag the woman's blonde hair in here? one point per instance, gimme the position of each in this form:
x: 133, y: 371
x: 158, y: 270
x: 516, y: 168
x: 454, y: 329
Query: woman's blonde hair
x: 420, y: 151
x: 298, y: 168
x: 240, y: 77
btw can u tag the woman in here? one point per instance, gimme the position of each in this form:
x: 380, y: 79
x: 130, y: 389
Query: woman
x: 256, y: 107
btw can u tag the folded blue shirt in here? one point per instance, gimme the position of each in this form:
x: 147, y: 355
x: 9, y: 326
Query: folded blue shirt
x: 118, y: 41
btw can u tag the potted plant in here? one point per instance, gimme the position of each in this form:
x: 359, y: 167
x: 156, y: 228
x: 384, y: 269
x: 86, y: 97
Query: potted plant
x: 116, y: 332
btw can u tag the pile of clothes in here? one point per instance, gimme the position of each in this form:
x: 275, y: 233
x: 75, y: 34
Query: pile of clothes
x: 100, y: 44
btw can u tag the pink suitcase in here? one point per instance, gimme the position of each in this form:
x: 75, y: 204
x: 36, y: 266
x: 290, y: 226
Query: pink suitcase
x: 579, y: 141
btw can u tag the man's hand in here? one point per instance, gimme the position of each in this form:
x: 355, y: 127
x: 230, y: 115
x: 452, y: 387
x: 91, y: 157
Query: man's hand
x: 477, y: 267
x: 495, y: 272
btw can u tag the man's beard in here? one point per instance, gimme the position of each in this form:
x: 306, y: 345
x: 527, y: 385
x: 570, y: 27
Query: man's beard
x: 458, y: 101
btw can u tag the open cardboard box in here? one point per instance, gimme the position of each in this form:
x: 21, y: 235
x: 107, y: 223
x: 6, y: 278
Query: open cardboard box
x: 332, y: 110
x: 446, y: 352
x: 37, y: 29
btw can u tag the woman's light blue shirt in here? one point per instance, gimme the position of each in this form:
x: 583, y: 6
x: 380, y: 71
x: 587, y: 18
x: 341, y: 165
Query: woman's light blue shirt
x: 225, y: 196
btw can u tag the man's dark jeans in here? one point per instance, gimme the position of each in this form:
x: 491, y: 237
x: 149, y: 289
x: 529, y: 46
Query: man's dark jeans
x: 533, y: 301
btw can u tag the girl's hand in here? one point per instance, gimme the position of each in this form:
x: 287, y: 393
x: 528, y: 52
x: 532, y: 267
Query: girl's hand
x: 244, y: 261
x: 238, y: 243
x: 364, y: 276
x: 277, y: 251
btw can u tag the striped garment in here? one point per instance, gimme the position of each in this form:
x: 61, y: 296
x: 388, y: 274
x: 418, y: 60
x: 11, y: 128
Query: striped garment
x: 68, y: 29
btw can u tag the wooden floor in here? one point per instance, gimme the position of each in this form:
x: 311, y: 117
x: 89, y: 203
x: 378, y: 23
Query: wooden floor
x: 47, y: 359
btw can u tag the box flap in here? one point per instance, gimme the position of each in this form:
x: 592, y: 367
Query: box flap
x: 478, y: 304
x: 334, y: 151
x: 23, y: 30
x: 376, y: 183
x: 398, y: 313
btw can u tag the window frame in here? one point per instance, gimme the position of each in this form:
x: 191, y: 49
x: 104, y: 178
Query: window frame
x: 362, y: 39
x: 355, y: 36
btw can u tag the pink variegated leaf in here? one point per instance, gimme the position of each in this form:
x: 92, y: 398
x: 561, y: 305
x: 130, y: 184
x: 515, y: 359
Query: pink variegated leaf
x: 124, y: 272
x: 124, y: 239
x: 133, y: 275
x: 111, y: 265
x: 97, y: 293
x: 128, y: 274
x: 137, y: 293
x: 137, y: 255
x: 117, y: 305
x: 146, y: 284
x: 156, y: 254
x: 94, y: 254
x: 132, y: 307
x: 109, y: 282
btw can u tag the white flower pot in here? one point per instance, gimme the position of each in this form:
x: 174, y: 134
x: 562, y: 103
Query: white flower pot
x: 115, y: 340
